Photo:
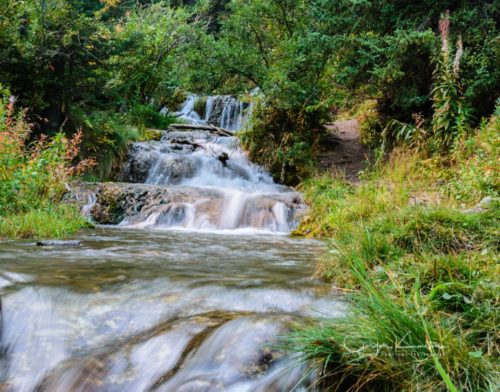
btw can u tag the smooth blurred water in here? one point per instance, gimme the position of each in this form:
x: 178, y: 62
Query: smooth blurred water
x: 136, y: 310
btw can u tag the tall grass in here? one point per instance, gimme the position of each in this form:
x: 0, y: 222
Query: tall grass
x: 421, y: 257
x: 392, y: 343
x: 58, y: 221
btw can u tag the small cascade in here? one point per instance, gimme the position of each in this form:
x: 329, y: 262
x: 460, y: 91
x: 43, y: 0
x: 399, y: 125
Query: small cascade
x: 196, y: 180
x: 209, y: 108
x: 187, y: 112
x: 224, y: 111
x: 201, y: 181
x: 232, y: 115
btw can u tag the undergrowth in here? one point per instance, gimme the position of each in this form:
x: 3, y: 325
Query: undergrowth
x: 285, y: 141
x: 33, y: 178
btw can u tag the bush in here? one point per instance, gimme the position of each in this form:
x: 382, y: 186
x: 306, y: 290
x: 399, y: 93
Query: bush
x: 106, y: 137
x: 33, y: 174
x: 33, y: 178
x: 476, y: 172
x: 146, y: 116
x: 284, y: 140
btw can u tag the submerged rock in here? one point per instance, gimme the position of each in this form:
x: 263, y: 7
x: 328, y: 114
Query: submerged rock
x: 58, y: 243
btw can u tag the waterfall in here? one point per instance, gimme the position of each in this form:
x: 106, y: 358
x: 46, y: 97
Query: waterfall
x: 208, y: 108
x: 206, y: 183
x: 196, y: 180
x: 187, y: 112
x: 224, y: 111
x: 232, y: 115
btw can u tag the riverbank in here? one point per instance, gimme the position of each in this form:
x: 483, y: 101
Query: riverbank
x: 415, y: 244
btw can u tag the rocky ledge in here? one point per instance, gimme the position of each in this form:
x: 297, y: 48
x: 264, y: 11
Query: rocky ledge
x: 115, y: 203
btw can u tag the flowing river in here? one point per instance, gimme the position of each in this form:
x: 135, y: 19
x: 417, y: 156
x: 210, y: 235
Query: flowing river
x: 189, y: 286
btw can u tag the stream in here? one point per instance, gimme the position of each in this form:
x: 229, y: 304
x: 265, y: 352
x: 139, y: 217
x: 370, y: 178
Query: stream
x: 188, y: 283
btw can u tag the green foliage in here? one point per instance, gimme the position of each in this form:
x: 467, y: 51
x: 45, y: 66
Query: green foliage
x: 476, y: 172
x: 451, y: 117
x: 284, y: 141
x: 146, y: 116
x: 147, y: 44
x: 200, y: 106
x: 370, y: 125
x: 102, y: 57
x: 389, y: 343
x: 105, y: 138
x: 305, y: 57
x: 33, y: 178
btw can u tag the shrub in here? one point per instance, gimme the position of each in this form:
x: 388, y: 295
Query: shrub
x: 284, y: 140
x: 106, y: 137
x: 33, y: 177
x: 33, y: 174
x: 477, y: 163
x: 146, y: 116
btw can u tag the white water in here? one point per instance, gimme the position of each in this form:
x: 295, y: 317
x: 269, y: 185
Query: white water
x: 232, y: 115
x: 218, y: 188
x: 136, y: 311
x: 187, y: 112
x: 224, y: 111
x: 207, y: 193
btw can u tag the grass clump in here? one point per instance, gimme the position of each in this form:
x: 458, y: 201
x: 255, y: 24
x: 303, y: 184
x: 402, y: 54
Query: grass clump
x: 57, y: 222
x: 417, y: 245
x: 200, y: 106
x: 393, y: 343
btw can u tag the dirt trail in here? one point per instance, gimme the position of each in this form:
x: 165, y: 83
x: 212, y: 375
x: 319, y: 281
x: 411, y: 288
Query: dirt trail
x: 342, y: 150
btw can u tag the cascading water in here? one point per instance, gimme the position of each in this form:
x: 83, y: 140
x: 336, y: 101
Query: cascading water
x: 223, y: 111
x: 187, y: 112
x: 211, y: 184
x: 232, y: 114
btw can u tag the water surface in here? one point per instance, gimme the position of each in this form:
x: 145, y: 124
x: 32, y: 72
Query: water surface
x: 137, y: 310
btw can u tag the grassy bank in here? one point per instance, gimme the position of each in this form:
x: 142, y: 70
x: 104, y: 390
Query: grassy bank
x: 418, y: 252
x: 58, y: 222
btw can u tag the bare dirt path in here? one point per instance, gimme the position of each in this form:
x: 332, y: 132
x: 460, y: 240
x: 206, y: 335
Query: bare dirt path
x: 342, y: 150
